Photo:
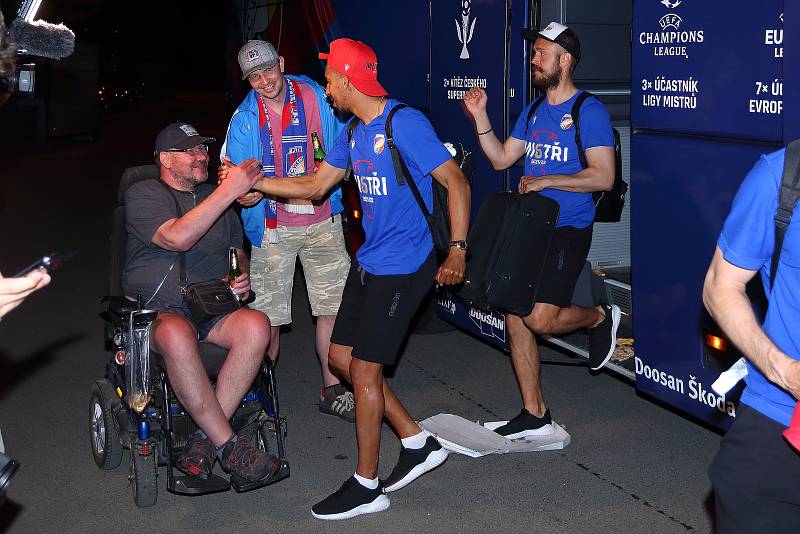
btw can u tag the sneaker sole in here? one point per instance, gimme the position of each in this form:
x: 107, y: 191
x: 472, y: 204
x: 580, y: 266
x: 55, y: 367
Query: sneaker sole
x: 380, y: 504
x: 546, y: 430
x: 333, y: 413
x: 434, y: 460
x: 616, y: 315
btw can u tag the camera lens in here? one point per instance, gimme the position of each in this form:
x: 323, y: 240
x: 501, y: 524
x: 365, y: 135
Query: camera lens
x: 8, y: 468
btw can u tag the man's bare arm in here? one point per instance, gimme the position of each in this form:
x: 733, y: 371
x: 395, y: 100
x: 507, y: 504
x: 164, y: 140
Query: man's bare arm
x: 725, y: 298
x: 458, y: 197
x: 458, y: 201
x: 310, y: 186
x: 501, y: 155
x: 597, y: 176
x: 182, y: 233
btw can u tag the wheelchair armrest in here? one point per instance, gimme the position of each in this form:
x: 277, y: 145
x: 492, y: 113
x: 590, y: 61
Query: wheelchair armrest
x: 121, y: 305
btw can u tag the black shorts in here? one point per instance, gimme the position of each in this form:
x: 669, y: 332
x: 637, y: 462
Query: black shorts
x: 565, y: 259
x: 756, y: 477
x: 376, y: 310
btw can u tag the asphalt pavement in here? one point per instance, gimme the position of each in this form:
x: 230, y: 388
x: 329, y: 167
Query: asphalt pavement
x: 632, y: 466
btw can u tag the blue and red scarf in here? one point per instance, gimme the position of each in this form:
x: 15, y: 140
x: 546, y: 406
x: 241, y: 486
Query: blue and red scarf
x: 294, y: 139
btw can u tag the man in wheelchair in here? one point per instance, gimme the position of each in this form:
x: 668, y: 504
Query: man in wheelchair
x: 180, y: 213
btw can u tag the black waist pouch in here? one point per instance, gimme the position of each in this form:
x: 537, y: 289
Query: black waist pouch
x: 209, y: 299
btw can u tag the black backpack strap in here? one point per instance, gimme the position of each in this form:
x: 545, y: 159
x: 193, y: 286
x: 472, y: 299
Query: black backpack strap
x: 351, y: 127
x: 787, y: 200
x: 576, y: 123
x: 400, y: 169
x: 531, y: 111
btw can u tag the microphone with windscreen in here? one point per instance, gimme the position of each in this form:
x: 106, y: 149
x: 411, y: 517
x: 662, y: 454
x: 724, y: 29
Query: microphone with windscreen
x: 40, y: 38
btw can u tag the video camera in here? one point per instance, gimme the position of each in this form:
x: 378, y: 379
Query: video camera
x: 8, y: 467
x: 32, y: 38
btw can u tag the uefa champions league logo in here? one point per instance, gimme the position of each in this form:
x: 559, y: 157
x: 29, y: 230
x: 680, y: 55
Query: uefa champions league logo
x: 464, y: 29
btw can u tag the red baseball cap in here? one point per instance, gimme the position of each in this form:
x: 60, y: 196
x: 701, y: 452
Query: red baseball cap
x: 358, y: 62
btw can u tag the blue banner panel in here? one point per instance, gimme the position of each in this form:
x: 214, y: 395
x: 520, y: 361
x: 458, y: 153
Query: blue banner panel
x: 708, y: 68
x: 468, y: 41
x: 791, y: 72
x: 683, y: 188
x: 386, y: 27
x: 487, y: 326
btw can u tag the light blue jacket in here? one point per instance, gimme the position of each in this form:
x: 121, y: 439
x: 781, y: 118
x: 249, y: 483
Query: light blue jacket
x: 242, y: 141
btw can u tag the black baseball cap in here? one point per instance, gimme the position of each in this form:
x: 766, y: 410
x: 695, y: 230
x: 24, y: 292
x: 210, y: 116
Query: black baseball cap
x: 179, y: 136
x: 557, y: 33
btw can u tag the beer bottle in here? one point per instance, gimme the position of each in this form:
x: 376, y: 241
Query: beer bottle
x: 319, y: 153
x: 234, y: 272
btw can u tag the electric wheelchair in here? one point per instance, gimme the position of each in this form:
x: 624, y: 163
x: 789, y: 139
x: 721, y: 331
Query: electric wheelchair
x: 133, y: 406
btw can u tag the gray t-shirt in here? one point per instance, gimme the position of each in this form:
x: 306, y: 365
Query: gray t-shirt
x: 149, y: 206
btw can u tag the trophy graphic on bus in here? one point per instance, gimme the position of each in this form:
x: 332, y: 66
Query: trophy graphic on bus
x: 464, y: 29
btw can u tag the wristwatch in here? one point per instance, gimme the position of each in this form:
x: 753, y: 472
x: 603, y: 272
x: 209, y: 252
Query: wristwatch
x: 462, y: 244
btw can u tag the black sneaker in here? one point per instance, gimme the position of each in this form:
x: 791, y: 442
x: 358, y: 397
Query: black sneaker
x: 527, y: 425
x: 350, y: 500
x: 603, y: 338
x: 242, y: 459
x: 339, y: 402
x: 198, y: 458
x: 414, y: 463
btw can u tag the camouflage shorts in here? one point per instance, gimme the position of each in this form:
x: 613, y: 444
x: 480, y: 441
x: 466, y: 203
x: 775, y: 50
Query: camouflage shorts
x: 321, y: 250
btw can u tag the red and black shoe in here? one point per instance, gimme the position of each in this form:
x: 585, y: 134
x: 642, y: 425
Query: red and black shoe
x: 198, y: 457
x: 242, y: 459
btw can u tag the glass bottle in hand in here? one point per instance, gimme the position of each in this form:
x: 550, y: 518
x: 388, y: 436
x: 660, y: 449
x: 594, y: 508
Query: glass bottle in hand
x: 234, y: 271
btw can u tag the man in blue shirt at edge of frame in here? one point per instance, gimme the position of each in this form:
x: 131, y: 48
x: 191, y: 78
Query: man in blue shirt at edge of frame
x: 755, y: 475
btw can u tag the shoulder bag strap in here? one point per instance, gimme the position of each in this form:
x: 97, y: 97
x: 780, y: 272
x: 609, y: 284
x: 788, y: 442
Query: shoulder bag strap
x: 182, y: 282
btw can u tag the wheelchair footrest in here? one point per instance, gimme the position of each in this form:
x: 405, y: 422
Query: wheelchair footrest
x: 188, y: 485
x: 241, y: 484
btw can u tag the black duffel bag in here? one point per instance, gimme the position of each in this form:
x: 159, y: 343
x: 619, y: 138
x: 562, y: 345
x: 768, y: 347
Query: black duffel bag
x: 508, y: 245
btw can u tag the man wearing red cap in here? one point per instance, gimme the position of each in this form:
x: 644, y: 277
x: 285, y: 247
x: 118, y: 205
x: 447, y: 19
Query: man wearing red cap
x: 393, y: 270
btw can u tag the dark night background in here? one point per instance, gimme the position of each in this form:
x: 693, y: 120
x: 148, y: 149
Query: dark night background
x: 176, y: 45
x: 63, y: 149
x: 153, y: 57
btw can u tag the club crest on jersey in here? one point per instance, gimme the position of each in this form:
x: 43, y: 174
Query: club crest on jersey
x: 297, y: 162
x: 566, y: 121
x: 379, y: 144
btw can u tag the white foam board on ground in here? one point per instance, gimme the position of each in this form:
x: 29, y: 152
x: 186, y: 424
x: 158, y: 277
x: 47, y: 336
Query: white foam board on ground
x: 472, y: 439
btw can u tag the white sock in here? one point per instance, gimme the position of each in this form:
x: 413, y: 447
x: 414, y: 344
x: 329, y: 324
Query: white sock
x: 416, y: 441
x: 366, y: 482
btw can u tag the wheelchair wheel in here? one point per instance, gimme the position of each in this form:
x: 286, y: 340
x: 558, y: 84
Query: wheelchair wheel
x: 104, y: 437
x: 144, y: 478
